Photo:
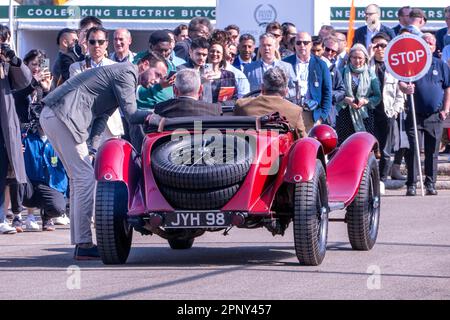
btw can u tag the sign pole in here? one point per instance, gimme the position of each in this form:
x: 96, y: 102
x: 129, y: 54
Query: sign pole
x: 416, y: 136
x: 11, y: 23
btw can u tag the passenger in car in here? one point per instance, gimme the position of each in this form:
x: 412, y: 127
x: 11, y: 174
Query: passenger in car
x: 187, y: 90
x: 273, y: 91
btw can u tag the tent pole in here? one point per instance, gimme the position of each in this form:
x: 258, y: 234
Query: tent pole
x: 11, y: 23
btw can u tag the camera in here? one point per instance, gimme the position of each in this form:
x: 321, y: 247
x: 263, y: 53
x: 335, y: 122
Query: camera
x: 4, y: 50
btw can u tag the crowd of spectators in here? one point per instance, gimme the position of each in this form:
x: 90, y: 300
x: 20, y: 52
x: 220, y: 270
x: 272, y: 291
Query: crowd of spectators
x: 53, y: 118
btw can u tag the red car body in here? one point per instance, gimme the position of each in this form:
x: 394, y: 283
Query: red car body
x: 260, y: 191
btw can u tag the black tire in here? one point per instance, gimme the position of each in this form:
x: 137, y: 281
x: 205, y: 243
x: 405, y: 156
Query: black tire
x: 363, y: 214
x: 181, y: 244
x: 114, y: 234
x: 311, y: 218
x: 199, y: 200
x: 171, y: 172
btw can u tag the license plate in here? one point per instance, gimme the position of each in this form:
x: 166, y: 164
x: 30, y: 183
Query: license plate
x: 197, y: 219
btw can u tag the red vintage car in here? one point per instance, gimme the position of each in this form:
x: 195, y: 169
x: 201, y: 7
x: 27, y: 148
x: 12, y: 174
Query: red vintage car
x: 213, y: 173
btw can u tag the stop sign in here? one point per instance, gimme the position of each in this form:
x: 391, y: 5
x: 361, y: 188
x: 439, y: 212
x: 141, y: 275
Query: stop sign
x: 408, y: 57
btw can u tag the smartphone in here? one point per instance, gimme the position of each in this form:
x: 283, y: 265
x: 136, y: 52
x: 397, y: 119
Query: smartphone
x: 45, y: 64
x: 208, y: 67
x: 171, y: 73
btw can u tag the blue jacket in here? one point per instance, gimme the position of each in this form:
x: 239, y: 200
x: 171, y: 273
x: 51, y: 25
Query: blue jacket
x: 320, y: 75
x: 254, y: 73
x: 43, y: 165
x: 238, y: 65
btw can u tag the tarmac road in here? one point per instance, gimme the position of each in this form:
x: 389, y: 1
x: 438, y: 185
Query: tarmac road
x: 411, y: 260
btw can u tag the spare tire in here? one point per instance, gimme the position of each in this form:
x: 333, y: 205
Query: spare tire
x: 199, y: 199
x: 185, y: 164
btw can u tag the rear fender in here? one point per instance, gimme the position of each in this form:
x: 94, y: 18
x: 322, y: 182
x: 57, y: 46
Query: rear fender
x: 346, y: 167
x: 302, y: 160
x: 118, y: 161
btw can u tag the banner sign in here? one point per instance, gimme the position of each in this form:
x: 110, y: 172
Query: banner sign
x: 113, y: 13
x: 387, y: 13
x: 4, y: 12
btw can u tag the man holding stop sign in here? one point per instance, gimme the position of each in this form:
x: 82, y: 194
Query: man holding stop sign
x: 426, y: 80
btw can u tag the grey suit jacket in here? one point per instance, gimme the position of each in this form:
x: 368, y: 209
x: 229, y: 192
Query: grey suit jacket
x: 92, y: 96
x: 254, y: 73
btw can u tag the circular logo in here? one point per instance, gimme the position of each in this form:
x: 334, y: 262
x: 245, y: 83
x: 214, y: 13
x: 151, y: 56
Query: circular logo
x: 265, y: 14
x: 408, y: 57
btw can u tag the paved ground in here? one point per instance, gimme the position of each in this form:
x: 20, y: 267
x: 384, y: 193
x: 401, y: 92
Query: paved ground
x: 410, y: 261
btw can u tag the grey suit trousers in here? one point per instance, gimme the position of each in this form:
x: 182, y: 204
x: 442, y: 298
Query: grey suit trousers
x: 75, y: 158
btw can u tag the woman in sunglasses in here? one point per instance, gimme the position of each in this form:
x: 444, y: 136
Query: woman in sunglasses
x: 389, y: 108
x: 362, y: 95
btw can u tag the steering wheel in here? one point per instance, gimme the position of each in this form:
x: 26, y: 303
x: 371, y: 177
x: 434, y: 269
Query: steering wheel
x: 253, y: 93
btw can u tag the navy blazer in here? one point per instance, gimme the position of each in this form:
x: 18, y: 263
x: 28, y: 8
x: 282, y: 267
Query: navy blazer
x: 440, y: 35
x: 318, y: 73
x: 397, y: 29
x: 361, y: 32
x: 238, y: 65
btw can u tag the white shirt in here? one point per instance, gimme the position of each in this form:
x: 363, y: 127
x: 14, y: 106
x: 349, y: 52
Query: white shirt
x: 327, y: 61
x: 129, y: 57
x: 243, y: 86
x: 79, y: 66
x: 242, y: 62
x: 114, y: 123
x: 267, y: 66
x: 302, y: 71
x: 370, y: 34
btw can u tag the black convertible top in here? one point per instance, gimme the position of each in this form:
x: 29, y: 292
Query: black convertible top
x: 155, y: 123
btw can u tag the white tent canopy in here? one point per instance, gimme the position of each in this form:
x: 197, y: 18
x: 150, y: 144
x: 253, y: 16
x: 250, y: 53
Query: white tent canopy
x: 6, y: 3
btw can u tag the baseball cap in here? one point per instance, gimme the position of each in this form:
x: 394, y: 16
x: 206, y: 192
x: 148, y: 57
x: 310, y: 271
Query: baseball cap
x: 417, y: 13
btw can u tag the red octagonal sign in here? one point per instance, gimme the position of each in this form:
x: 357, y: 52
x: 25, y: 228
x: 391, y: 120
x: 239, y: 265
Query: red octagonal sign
x: 408, y: 57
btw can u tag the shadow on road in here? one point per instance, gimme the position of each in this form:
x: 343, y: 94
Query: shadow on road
x: 163, y: 256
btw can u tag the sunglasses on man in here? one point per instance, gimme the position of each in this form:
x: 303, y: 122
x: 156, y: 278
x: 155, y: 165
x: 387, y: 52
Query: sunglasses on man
x: 330, y: 50
x: 300, y: 42
x: 100, y: 42
x: 380, y: 45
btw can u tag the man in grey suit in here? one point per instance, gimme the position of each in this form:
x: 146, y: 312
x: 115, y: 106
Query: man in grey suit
x: 255, y: 70
x: 188, y: 90
x: 86, y: 101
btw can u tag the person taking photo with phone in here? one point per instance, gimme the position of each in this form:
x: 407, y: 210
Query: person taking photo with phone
x: 14, y: 75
